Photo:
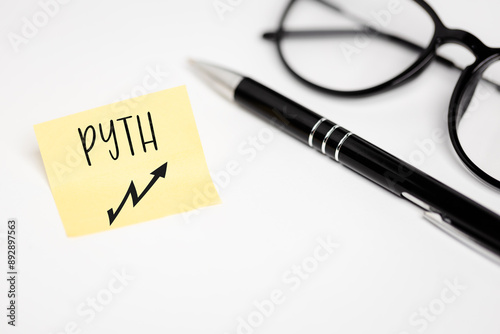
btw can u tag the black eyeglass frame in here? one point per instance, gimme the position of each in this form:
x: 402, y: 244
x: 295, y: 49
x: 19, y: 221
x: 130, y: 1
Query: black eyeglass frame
x: 464, y: 89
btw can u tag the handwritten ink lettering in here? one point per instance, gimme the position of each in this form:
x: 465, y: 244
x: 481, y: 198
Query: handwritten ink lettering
x: 88, y: 136
x: 125, y: 125
x: 111, y: 133
x: 153, y: 141
x: 83, y: 138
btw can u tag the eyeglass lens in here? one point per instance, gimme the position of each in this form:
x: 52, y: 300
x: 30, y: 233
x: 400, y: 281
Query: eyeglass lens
x: 354, y: 49
x: 479, y: 129
x: 351, y: 45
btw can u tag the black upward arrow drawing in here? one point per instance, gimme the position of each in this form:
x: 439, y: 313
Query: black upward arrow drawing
x: 132, y: 192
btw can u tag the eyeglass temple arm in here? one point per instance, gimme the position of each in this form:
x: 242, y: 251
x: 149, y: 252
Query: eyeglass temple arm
x: 274, y: 36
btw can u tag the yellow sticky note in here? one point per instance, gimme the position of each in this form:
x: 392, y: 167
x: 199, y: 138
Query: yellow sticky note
x: 126, y: 163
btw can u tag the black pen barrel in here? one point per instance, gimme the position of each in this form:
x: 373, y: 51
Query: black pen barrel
x: 280, y: 111
x: 401, y: 178
x: 372, y: 162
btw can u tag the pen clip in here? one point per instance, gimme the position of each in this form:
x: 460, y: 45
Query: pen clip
x: 437, y: 220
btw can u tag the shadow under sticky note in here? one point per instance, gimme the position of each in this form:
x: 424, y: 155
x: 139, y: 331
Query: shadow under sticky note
x: 125, y: 163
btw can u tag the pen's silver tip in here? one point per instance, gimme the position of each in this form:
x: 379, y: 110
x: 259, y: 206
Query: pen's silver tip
x: 221, y: 79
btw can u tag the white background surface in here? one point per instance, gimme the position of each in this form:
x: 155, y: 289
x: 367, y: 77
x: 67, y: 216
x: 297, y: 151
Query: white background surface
x: 201, y: 276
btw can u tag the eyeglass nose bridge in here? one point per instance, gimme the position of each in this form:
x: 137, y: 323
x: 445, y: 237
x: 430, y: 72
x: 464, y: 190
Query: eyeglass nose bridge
x: 444, y: 35
x: 482, y: 53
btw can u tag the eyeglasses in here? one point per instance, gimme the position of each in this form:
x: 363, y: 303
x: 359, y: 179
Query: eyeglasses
x: 354, y: 48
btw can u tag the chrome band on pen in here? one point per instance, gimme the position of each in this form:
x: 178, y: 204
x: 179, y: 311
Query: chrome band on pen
x: 339, y: 146
x: 325, y: 140
x: 313, y: 131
